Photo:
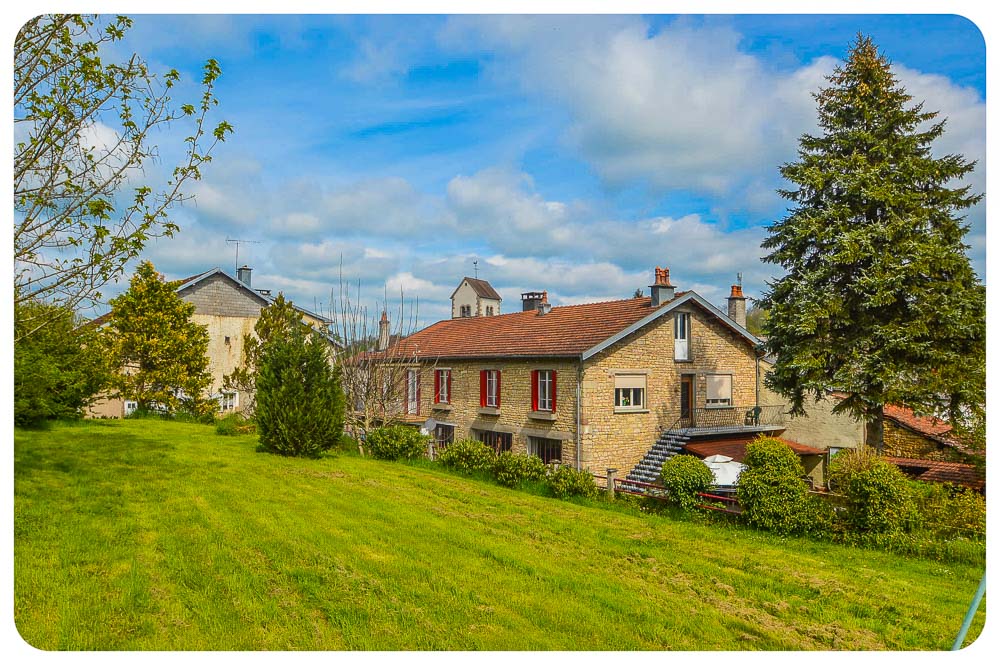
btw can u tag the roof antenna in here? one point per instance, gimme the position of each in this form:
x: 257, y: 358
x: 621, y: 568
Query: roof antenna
x: 238, y: 243
x: 475, y: 267
x: 739, y: 279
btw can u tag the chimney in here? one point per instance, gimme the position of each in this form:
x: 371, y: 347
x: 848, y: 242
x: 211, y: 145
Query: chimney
x: 738, y: 305
x: 661, y: 290
x: 243, y: 274
x: 532, y: 299
x: 543, y: 306
x: 383, y: 332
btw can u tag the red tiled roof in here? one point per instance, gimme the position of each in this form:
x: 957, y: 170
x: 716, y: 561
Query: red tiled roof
x: 737, y: 448
x: 926, y: 425
x: 562, y: 332
x: 940, y: 472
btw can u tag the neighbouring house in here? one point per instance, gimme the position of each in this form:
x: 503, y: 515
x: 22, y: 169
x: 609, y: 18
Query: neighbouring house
x: 938, y: 471
x: 814, y: 460
x: 474, y: 297
x: 622, y: 384
x: 229, y: 308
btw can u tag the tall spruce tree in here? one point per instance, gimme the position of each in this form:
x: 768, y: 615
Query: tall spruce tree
x: 879, y: 300
x: 158, y: 352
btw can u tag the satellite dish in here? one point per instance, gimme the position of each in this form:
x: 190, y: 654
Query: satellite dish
x: 429, y: 426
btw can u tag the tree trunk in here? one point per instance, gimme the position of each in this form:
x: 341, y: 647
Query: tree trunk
x: 874, y: 427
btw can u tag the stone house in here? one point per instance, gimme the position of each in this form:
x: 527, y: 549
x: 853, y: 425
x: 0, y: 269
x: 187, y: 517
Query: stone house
x: 620, y: 384
x: 228, y: 307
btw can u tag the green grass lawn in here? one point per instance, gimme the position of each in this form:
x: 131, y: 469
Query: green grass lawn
x: 153, y: 535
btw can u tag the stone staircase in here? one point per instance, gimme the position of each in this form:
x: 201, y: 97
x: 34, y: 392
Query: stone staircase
x: 647, y: 470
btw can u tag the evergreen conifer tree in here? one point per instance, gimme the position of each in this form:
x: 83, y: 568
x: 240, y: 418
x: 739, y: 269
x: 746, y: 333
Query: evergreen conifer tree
x: 300, y: 402
x: 879, y: 299
x: 158, y: 353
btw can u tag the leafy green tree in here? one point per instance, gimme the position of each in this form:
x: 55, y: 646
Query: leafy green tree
x: 83, y: 127
x: 879, y: 299
x: 158, y: 353
x: 756, y: 317
x: 275, y: 322
x: 300, y: 402
x: 57, y: 371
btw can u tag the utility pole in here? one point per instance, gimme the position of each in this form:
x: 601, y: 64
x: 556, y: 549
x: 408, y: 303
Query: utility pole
x: 238, y: 243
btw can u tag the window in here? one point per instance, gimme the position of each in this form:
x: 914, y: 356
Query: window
x: 442, y: 386
x: 489, y: 388
x: 499, y: 441
x: 466, y: 310
x: 227, y: 340
x: 682, y: 334
x: 543, y: 390
x: 547, y: 449
x: 489, y: 310
x: 719, y: 390
x: 227, y: 401
x: 443, y: 435
x: 412, y: 391
x: 630, y: 392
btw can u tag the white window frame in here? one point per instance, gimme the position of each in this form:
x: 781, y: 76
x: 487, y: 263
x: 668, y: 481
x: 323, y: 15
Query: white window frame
x: 682, y: 336
x: 412, y: 401
x: 719, y: 401
x: 492, y: 377
x: 545, y: 390
x: 443, y: 396
x: 628, y: 387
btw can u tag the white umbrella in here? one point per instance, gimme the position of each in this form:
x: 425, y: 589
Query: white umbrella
x: 726, y: 472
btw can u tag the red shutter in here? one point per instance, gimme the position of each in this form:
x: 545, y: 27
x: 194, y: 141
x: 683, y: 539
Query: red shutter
x: 449, y: 386
x: 534, y: 390
x: 482, y: 387
x: 498, y: 388
x: 437, y: 386
x: 406, y: 391
x: 418, y: 394
x: 553, y: 391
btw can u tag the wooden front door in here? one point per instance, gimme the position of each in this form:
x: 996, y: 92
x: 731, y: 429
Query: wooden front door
x: 687, y: 396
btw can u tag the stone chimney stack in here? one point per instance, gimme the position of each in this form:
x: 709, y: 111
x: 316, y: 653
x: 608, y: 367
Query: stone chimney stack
x: 383, y: 332
x: 543, y: 305
x: 661, y: 290
x: 738, y: 305
x: 243, y: 274
x: 530, y: 300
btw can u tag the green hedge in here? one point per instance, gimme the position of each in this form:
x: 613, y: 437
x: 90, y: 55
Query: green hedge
x: 566, y: 481
x: 510, y: 469
x: 684, y: 476
x: 468, y: 455
x: 772, y: 493
x: 396, y: 442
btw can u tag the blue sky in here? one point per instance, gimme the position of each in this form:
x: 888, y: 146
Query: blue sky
x: 565, y: 153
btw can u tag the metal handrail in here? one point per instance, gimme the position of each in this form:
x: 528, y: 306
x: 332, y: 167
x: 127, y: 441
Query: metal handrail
x: 742, y: 417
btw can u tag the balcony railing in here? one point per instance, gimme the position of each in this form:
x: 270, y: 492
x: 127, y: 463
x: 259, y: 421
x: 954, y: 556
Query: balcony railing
x: 734, y: 418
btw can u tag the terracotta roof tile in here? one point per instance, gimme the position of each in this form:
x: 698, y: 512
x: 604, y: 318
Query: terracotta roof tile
x: 737, y: 448
x: 926, y: 425
x: 940, y: 472
x: 562, y: 332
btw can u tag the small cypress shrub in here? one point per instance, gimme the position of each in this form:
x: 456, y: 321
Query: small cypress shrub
x: 566, y: 481
x: 468, y: 455
x: 395, y: 442
x: 510, y: 469
x: 770, y: 489
x: 300, y: 404
x: 684, y: 476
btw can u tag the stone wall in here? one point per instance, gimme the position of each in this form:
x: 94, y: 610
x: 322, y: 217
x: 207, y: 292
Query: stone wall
x: 902, y: 442
x: 620, y: 439
x: 819, y: 427
x: 514, y: 415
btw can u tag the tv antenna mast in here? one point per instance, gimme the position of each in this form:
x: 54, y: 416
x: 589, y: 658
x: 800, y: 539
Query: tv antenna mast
x: 238, y: 243
x: 739, y: 279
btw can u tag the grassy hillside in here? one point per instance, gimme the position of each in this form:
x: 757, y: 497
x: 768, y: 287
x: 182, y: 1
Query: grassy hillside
x: 150, y: 535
